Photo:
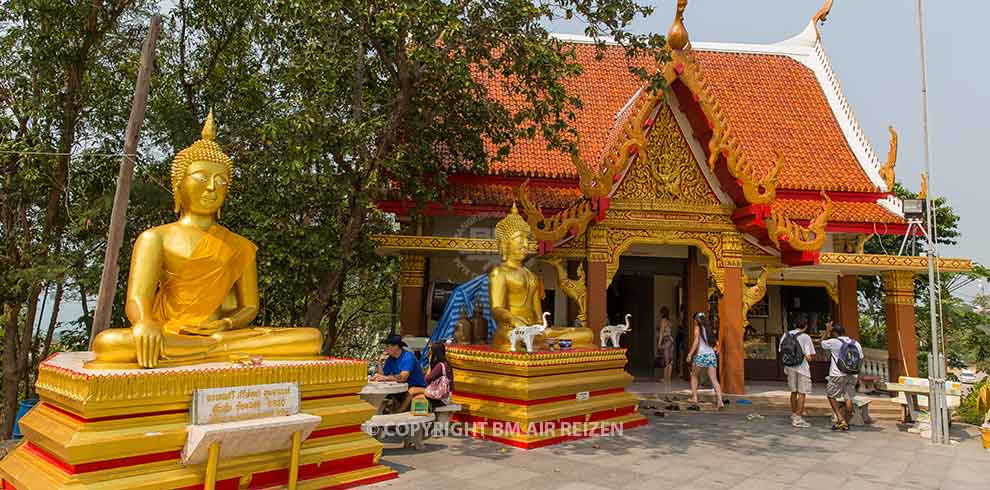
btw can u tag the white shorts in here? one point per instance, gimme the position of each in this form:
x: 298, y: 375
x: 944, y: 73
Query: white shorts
x: 797, y: 382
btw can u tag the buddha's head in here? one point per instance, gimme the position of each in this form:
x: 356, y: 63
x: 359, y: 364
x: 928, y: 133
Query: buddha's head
x: 201, y: 174
x: 512, y: 233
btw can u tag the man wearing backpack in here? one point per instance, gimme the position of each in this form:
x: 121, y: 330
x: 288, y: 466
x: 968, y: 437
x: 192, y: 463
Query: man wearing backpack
x: 846, y: 358
x: 796, y: 349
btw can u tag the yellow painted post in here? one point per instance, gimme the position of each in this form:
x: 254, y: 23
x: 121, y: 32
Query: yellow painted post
x: 211, y: 467
x: 294, y: 461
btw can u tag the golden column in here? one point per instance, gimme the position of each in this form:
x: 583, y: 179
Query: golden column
x: 412, y: 279
x: 898, y: 306
x: 598, y: 257
x: 730, y: 317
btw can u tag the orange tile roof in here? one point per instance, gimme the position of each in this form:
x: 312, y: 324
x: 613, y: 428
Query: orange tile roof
x: 771, y: 102
x: 505, y: 194
x: 605, y: 86
x: 842, y: 211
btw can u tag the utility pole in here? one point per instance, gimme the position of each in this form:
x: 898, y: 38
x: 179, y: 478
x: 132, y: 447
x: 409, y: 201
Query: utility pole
x: 108, y: 280
x: 937, y: 409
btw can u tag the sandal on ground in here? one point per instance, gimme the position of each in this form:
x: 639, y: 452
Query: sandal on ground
x: 694, y: 408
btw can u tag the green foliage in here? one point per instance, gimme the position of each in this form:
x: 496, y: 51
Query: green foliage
x: 970, y: 410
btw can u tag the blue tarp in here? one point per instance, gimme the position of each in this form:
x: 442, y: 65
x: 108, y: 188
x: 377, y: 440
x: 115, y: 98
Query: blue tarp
x: 463, y: 297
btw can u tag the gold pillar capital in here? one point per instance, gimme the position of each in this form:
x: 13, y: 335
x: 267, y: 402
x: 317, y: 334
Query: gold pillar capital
x: 412, y: 271
x: 732, y: 249
x: 598, y: 247
x: 898, y: 287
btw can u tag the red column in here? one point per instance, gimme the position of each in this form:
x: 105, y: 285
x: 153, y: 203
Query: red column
x: 412, y: 278
x: 597, y: 285
x: 731, y: 333
x: 848, y: 315
x: 696, y: 300
x: 902, y: 342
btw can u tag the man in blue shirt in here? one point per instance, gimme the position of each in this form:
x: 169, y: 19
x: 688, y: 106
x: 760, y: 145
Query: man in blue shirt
x: 401, y: 366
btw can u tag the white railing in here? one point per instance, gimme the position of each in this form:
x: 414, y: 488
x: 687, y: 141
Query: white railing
x: 875, y: 363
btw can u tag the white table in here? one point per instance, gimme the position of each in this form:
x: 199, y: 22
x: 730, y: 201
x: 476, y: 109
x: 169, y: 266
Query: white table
x: 375, y: 392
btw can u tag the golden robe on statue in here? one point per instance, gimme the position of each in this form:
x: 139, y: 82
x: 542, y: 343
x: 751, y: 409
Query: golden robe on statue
x: 192, y: 290
x: 197, y: 290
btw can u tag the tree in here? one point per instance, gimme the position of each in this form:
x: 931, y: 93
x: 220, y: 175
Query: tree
x: 330, y: 104
x: 65, y: 66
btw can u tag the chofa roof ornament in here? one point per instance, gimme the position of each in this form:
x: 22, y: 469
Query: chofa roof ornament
x: 677, y: 36
x: 820, y: 17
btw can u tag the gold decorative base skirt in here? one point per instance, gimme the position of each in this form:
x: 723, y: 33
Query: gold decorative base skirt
x: 125, y: 429
x: 544, y: 398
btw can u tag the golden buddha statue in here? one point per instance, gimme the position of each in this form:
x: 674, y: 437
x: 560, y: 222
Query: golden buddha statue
x: 192, y: 289
x: 515, y: 291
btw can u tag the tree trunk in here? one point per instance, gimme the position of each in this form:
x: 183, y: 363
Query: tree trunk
x: 122, y: 196
x: 52, y: 323
x: 10, y: 377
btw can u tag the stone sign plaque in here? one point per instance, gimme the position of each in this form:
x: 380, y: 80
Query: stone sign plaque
x: 218, y: 405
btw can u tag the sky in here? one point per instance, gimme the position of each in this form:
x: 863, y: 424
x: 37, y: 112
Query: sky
x: 874, y: 49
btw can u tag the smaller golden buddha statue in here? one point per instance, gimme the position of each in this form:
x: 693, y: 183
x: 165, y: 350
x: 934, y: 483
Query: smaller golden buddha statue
x: 192, y: 289
x: 516, y: 292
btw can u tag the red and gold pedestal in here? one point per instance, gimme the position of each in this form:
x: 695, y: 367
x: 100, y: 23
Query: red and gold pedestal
x: 544, y: 398
x: 125, y: 429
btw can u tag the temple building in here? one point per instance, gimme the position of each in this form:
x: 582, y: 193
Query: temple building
x: 745, y: 189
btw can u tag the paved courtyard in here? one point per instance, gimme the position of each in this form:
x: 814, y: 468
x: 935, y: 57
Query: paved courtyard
x: 706, y: 451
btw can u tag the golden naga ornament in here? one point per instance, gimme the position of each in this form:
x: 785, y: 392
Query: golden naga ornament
x: 755, y: 293
x: 573, y: 220
x: 573, y: 288
x: 515, y: 291
x: 192, y: 290
x: 684, y: 67
x: 810, y: 239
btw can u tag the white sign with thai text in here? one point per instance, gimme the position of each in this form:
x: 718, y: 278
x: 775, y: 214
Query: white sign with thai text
x: 583, y: 396
x: 218, y: 405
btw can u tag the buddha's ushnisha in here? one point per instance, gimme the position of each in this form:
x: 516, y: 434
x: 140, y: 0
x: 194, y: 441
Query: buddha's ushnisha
x: 192, y: 290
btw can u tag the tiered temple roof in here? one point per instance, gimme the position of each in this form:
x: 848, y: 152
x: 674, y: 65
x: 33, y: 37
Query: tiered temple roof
x: 776, y: 98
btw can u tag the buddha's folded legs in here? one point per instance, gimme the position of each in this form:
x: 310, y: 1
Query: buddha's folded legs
x: 117, y: 346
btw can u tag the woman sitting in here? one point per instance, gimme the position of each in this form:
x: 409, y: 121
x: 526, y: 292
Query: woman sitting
x: 438, y: 390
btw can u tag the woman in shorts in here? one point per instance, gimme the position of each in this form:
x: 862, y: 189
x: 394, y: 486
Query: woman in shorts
x: 703, y: 358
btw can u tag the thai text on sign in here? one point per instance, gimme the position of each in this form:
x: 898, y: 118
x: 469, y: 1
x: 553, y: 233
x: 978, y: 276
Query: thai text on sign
x: 217, y: 405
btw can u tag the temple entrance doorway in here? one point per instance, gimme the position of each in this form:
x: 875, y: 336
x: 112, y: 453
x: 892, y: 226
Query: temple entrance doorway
x: 648, y: 278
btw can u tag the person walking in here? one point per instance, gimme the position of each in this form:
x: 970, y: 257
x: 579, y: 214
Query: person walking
x: 704, y: 359
x: 796, y: 349
x: 846, y: 357
x: 665, y: 348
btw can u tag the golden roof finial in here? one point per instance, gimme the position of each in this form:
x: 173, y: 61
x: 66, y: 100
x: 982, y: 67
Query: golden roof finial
x: 923, y: 193
x: 677, y: 36
x: 820, y: 16
x: 209, y: 129
x: 887, y: 171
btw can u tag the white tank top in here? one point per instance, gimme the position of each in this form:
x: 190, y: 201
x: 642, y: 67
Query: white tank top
x: 703, y: 347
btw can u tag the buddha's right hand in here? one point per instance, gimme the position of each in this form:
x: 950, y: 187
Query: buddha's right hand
x: 148, y: 343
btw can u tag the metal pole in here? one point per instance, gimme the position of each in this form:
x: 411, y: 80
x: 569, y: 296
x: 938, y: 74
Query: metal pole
x: 108, y: 280
x: 936, y: 375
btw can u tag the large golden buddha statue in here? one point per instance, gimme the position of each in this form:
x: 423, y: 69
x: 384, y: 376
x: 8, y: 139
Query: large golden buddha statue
x: 515, y: 291
x: 192, y: 290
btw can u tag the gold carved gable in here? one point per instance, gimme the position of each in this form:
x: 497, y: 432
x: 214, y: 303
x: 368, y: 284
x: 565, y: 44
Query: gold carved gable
x: 669, y: 176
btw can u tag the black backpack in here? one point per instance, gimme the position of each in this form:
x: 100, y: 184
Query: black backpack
x: 791, y: 352
x: 848, y: 360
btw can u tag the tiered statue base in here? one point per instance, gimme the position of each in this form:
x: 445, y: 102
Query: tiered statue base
x: 126, y: 428
x: 544, y: 398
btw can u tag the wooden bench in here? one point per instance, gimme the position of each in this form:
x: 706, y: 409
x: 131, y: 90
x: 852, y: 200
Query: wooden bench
x: 403, y: 427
